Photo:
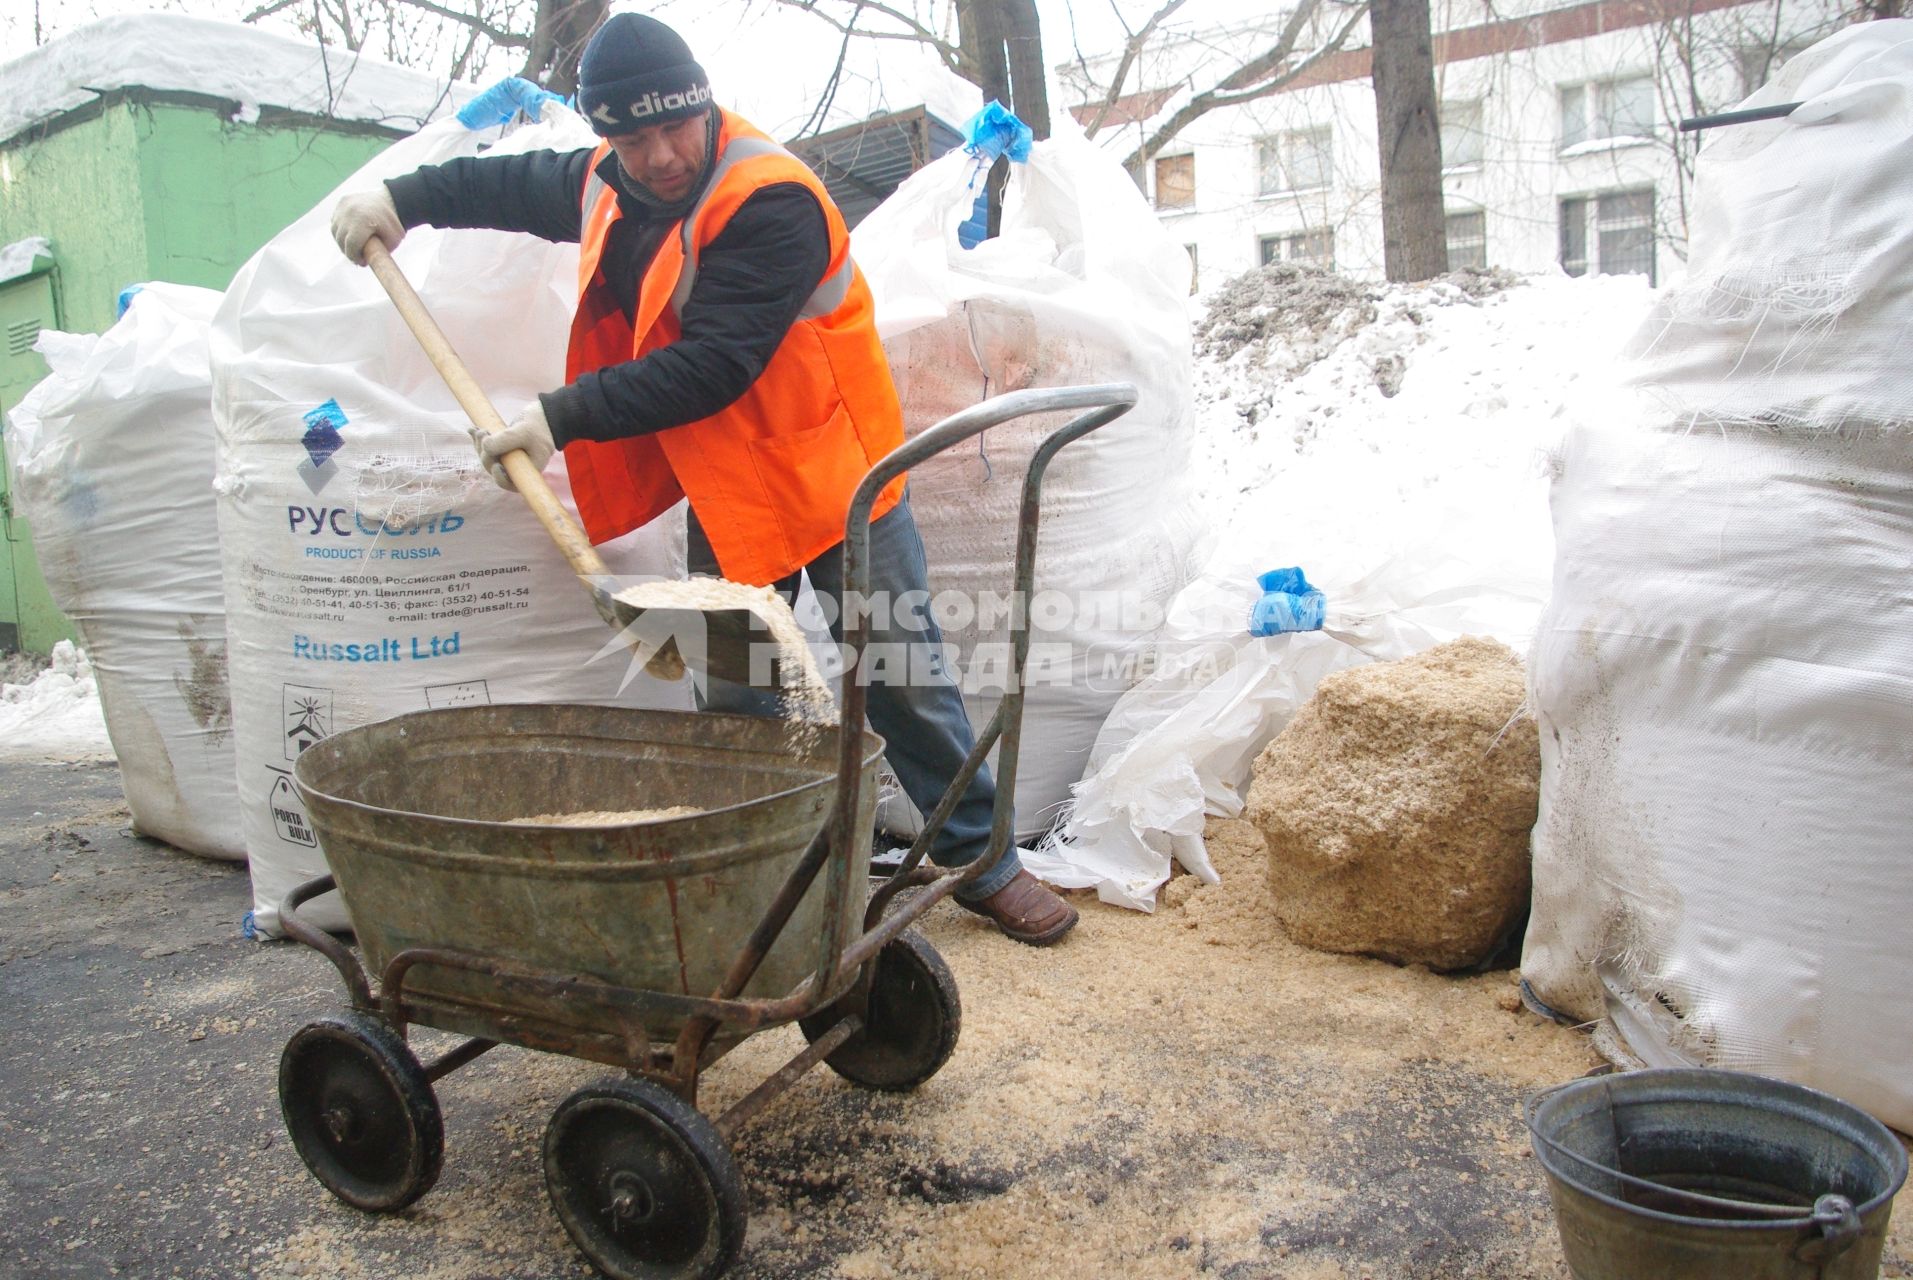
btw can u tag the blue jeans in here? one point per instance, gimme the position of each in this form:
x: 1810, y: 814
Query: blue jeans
x: 921, y: 718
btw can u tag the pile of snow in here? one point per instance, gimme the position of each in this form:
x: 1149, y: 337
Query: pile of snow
x: 57, y: 716
x: 228, y: 60
x: 17, y: 258
x: 1345, y: 403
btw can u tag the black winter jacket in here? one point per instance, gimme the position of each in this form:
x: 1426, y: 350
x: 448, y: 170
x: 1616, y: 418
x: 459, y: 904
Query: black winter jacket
x: 752, y: 281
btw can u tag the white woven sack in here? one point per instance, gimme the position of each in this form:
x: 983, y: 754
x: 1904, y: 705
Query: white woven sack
x: 1722, y: 678
x: 1083, y: 286
x: 113, y: 466
x: 1799, y: 287
x: 1725, y: 695
x: 380, y: 571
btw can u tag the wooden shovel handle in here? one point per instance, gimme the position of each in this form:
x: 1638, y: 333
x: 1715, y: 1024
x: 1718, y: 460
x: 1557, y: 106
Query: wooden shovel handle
x: 564, y: 531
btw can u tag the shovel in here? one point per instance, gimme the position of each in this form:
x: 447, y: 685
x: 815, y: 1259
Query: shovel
x: 715, y: 642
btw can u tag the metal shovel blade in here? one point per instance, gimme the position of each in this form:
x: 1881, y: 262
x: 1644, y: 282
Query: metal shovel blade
x: 715, y: 642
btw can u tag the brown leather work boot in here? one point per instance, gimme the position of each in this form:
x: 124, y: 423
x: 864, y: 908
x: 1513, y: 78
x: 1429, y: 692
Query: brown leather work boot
x: 1026, y: 909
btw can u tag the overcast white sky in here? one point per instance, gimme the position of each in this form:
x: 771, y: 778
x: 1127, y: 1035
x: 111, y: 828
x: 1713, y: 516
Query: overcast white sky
x: 1094, y: 20
x: 767, y: 61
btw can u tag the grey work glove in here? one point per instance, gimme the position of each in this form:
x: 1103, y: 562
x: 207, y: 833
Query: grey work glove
x: 528, y: 431
x: 362, y: 215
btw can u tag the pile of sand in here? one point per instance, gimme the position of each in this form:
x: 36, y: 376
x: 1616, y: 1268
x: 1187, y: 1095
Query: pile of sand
x: 605, y: 817
x: 1397, y: 806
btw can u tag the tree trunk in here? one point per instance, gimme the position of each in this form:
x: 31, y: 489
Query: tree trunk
x: 1029, y: 78
x: 980, y: 31
x: 992, y: 35
x: 1414, y: 232
x: 1002, y: 49
x: 558, y: 41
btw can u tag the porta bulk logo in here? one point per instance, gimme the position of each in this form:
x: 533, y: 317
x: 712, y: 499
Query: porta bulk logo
x: 321, y: 441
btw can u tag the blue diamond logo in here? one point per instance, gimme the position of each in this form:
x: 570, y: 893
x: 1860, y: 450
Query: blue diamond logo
x: 322, y: 442
x: 322, y: 438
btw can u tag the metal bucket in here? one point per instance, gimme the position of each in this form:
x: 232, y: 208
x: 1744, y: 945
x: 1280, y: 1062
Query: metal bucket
x: 412, y: 814
x: 1690, y: 1174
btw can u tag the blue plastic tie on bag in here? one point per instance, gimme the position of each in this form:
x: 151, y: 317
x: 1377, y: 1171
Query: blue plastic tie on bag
x: 1288, y: 603
x: 126, y: 299
x: 994, y: 132
x: 990, y: 133
x: 498, y: 104
x: 975, y: 229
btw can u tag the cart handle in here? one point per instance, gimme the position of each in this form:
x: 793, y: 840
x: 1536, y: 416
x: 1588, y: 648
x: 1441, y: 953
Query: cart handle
x: 1106, y: 403
x: 324, y: 943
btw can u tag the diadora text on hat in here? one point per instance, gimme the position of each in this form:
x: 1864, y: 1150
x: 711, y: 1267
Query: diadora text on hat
x: 637, y: 71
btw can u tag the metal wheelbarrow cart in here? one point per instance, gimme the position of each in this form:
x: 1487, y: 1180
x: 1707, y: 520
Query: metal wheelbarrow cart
x: 653, y: 946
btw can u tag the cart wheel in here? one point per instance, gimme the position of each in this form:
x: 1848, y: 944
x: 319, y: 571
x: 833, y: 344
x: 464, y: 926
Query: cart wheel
x: 643, y: 1183
x: 912, y: 1026
x: 361, y: 1112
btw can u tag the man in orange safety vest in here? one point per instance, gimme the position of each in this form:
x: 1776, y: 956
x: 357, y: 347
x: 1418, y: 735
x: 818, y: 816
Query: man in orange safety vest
x: 724, y: 351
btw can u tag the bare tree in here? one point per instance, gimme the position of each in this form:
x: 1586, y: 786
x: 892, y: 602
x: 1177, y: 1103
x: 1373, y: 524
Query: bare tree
x: 1708, y: 62
x: 1314, y: 31
x: 552, y: 33
x: 1414, y: 235
x: 997, y: 46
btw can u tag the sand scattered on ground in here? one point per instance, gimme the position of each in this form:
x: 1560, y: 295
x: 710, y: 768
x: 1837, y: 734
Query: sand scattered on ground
x: 1161, y: 1097
x: 1173, y: 1095
x: 605, y: 817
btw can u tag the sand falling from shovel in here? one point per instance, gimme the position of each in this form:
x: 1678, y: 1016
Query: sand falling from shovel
x: 805, y: 694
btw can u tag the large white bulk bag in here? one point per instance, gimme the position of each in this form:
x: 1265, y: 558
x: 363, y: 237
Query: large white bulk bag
x: 1082, y: 286
x: 1723, y: 679
x: 372, y: 568
x: 113, y: 469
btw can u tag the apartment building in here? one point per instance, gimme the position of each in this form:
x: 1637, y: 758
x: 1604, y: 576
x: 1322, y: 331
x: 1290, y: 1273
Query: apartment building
x: 1560, y: 144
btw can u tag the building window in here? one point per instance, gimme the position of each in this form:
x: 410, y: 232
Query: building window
x: 1299, y: 161
x: 1194, y: 271
x: 1461, y: 135
x: 1175, y: 182
x: 1610, y: 235
x: 1758, y: 63
x: 1316, y: 247
x: 1467, y: 240
x: 1605, y: 109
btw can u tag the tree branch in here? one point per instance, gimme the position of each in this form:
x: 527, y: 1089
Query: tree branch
x: 821, y: 112
x: 1132, y: 49
x: 267, y: 10
x: 1267, y: 73
x: 913, y: 31
x: 496, y: 34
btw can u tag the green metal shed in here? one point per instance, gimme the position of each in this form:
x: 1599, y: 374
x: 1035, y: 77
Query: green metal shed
x: 138, y: 184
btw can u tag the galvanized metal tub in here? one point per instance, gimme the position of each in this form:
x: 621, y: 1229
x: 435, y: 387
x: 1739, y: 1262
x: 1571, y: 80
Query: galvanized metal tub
x: 413, y: 816
x: 1619, y: 1149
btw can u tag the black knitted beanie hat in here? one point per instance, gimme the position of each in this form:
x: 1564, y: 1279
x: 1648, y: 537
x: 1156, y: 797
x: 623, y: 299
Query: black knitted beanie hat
x: 637, y: 71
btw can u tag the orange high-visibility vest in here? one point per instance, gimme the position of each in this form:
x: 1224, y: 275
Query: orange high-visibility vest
x: 771, y: 476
